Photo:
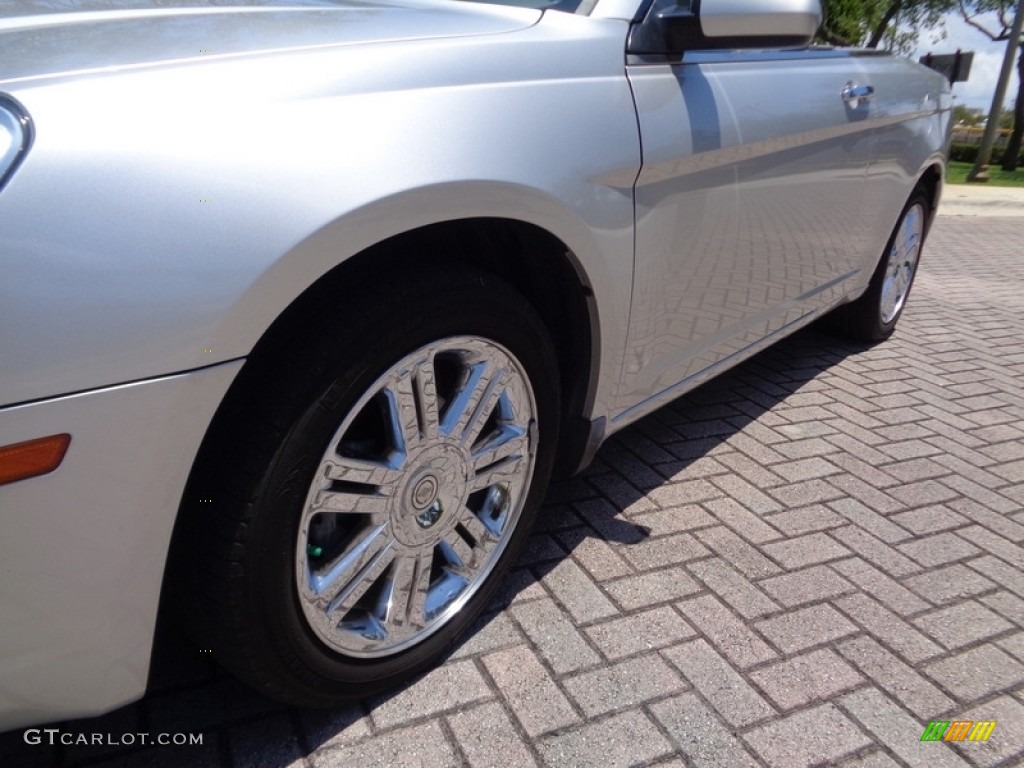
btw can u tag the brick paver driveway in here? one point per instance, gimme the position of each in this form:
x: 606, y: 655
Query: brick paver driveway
x: 801, y: 563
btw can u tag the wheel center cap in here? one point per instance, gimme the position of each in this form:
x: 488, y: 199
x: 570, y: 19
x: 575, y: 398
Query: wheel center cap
x: 425, y: 492
x: 425, y: 508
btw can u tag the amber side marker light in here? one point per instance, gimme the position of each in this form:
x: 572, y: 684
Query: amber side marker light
x: 32, y: 458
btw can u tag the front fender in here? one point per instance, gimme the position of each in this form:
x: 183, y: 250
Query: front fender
x: 164, y: 219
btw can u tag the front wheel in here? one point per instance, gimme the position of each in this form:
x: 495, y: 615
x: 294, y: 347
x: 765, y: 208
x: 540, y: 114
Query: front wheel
x: 873, y: 316
x: 416, y: 497
x: 413, y: 449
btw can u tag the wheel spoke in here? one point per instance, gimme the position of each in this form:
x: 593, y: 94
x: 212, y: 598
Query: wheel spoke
x: 459, y: 553
x: 350, y: 574
x: 510, y: 440
x: 467, y: 556
x: 367, y: 627
x: 468, y: 411
x: 903, y: 279
x: 406, y: 597
x: 487, y: 401
x: 507, y: 469
x: 485, y: 538
x: 362, y: 471
x: 347, y: 598
x: 403, y: 419
x: 370, y: 501
x: 449, y: 586
x: 426, y: 393
x: 911, y: 226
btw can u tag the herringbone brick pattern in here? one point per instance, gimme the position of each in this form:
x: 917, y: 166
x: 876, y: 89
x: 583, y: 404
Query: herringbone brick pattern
x: 801, y: 563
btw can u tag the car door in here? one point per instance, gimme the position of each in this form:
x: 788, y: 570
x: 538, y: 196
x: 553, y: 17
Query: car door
x: 909, y: 111
x: 748, y: 206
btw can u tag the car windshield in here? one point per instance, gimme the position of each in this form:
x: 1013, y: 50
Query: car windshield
x: 569, y: 6
x: 32, y: 7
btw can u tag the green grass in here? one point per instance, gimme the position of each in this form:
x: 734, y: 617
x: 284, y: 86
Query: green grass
x: 956, y: 173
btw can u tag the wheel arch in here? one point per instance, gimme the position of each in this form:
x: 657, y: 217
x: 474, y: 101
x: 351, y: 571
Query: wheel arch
x: 530, y: 258
x: 931, y: 181
x: 534, y: 261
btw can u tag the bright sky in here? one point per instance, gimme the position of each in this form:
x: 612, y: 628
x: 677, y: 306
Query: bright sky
x: 988, y: 58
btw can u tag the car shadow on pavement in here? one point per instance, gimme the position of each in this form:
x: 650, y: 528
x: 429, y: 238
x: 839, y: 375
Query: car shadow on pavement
x: 189, y: 694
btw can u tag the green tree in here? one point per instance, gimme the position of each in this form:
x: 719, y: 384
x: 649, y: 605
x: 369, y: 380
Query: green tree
x: 964, y: 115
x: 892, y: 24
x: 995, y: 18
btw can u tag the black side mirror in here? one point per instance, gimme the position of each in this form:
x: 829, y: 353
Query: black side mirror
x: 675, y: 26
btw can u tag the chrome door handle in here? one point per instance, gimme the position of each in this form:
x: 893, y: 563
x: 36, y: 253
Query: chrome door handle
x: 853, y: 94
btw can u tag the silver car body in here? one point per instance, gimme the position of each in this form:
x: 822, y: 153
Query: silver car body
x: 193, y: 171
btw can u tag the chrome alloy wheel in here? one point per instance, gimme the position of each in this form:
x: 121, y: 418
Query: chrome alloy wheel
x: 416, y: 497
x: 902, y: 263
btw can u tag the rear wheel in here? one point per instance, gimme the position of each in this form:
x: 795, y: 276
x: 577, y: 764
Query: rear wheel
x: 404, y: 460
x: 874, y: 315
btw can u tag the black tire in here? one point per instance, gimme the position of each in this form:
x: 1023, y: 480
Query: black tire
x: 260, y: 611
x: 874, y: 315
